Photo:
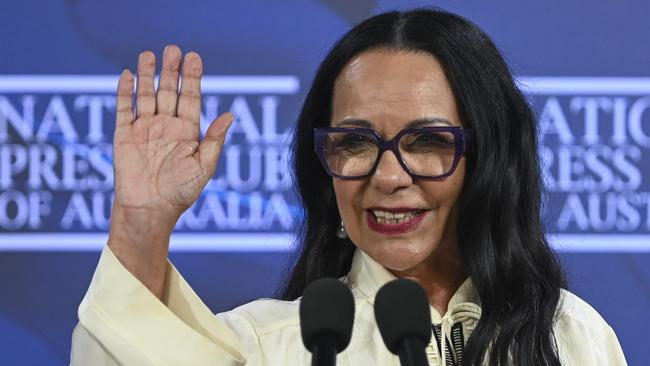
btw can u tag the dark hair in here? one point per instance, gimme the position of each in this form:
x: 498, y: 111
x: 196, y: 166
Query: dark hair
x: 505, y: 253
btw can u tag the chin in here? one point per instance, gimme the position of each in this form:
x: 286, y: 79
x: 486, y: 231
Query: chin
x: 399, y: 257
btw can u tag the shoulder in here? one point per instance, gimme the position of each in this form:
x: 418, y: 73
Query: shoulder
x: 575, y: 315
x: 583, y: 336
x: 265, y: 315
x: 572, y: 308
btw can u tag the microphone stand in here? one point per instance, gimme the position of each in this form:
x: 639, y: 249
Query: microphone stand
x: 410, y: 352
x: 324, y: 352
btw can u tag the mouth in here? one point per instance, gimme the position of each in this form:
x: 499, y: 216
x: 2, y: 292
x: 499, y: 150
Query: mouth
x: 394, y: 221
x: 388, y: 217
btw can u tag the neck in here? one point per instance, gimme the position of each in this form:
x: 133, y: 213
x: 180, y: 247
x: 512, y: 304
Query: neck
x: 440, y: 276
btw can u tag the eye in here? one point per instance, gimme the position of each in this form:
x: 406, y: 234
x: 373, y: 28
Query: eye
x: 427, y: 141
x: 355, y: 143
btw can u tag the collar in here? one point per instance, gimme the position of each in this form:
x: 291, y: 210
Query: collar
x: 367, y: 276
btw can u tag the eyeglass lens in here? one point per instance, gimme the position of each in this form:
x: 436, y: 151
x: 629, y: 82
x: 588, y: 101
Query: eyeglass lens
x: 425, y: 153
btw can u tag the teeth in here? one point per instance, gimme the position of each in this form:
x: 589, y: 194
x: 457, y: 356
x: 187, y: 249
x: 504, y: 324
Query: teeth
x: 385, y: 217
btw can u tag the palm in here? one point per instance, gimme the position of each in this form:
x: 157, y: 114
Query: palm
x: 159, y: 162
x: 155, y: 164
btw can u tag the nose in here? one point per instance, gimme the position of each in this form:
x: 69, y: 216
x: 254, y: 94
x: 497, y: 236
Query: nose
x: 390, y: 176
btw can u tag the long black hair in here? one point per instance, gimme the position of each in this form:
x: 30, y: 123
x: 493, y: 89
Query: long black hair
x: 502, y: 243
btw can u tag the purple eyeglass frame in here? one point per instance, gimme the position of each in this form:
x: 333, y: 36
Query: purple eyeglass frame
x: 462, y: 139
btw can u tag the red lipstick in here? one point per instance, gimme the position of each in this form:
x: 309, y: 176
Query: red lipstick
x: 394, y: 229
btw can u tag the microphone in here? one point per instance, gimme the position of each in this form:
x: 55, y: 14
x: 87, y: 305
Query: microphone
x: 326, y: 317
x: 404, y: 320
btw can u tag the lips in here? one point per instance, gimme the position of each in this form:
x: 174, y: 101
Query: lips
x: 388, y: 217
x: 393, y: 221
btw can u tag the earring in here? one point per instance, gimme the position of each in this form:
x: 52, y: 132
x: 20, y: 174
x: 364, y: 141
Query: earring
x: 341, y: 233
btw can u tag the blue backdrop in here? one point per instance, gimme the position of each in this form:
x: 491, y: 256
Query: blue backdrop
x: 584, y: 66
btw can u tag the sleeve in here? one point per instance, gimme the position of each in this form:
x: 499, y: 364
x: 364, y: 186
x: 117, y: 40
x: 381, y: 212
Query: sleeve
x: 122, y: 323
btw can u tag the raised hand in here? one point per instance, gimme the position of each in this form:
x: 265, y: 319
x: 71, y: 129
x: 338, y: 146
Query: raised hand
x: 160, y: 165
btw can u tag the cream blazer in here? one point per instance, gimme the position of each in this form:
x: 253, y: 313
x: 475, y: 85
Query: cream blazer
x: 122, y: 323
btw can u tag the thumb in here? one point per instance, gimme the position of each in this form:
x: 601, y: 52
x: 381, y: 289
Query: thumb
x: 212, y: 144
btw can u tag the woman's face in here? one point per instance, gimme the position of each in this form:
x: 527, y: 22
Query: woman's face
x: 393, y: 90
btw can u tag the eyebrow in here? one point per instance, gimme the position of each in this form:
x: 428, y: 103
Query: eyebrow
x: 420, y: 122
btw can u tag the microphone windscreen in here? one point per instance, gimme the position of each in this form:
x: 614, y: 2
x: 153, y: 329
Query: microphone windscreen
x: 326, y: 308
x: 402, y: 310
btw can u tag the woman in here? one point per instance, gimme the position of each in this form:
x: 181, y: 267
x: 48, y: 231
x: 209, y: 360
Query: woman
x: 452, y: 201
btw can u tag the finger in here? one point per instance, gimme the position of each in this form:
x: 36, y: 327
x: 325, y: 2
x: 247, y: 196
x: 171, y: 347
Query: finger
x: 189, y: 102
x: 167, y: 94
x: 124, y: 108
x: 145, y: 103
x: 211, y: 146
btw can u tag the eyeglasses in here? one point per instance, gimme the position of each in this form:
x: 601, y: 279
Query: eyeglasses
x: 425, y: 153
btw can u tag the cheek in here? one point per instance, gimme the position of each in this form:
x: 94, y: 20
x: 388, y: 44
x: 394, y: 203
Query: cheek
x: 446, y: 192
x: 455, y: 182
x: 343, y: 194
x: 348, y: 194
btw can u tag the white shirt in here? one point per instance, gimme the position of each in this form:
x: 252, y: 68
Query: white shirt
x: 122, y: 323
